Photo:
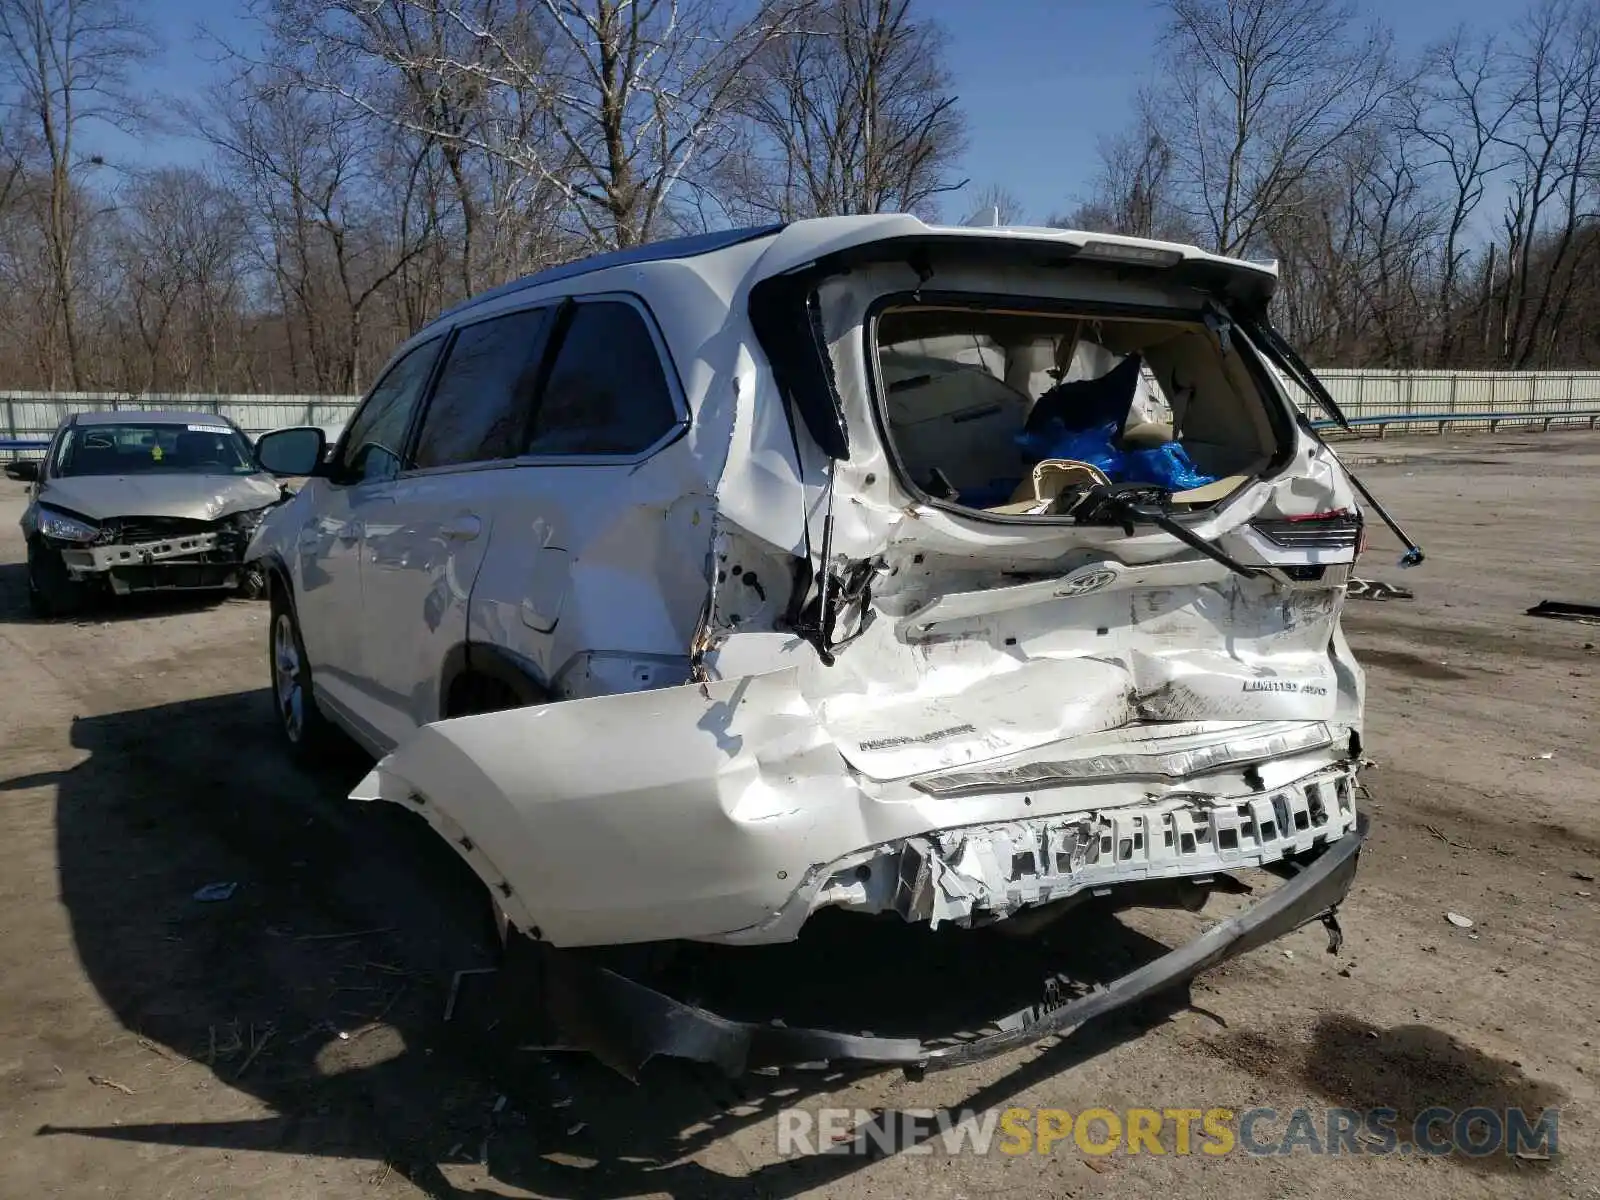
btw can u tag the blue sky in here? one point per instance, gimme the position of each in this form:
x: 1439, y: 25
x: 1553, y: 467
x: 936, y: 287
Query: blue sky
x: 1042, y: 80
x: 1039, y: 80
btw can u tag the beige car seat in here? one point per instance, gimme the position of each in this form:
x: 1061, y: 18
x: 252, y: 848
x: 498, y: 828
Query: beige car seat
x: 1038, y: 493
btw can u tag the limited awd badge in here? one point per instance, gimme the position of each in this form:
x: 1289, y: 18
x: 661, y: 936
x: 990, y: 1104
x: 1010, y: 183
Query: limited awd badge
x: 1089, y: 581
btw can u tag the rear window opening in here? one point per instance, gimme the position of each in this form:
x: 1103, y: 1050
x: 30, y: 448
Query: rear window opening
x: 1018, y: 412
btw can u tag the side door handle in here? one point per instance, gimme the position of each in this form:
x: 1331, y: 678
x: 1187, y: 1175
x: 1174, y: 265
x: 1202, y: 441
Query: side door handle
x: 463, y: 528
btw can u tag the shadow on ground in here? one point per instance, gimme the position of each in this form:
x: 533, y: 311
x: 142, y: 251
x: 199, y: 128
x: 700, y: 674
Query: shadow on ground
x: 1409, y: 1070
x: 352, y: 919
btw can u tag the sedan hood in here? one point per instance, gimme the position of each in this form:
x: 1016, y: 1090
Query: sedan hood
x: 197, y: 497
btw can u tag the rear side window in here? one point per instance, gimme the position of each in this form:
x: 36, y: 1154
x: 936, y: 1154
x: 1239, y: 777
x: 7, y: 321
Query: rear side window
x: 607, y: 392
x: 378, y: 431
x: 481, y: 404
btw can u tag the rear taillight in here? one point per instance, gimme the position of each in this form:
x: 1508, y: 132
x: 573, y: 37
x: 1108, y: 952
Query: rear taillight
x: 1339, y: 529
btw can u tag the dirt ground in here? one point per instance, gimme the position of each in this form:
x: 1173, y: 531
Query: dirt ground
x: 288, y: 1042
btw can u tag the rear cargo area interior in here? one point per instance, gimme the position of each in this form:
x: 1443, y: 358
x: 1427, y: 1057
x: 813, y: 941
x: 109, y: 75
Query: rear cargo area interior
x: 1002, y: 410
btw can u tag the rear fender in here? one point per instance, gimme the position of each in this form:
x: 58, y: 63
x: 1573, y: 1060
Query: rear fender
x: 706, y: 811
x: 679, y: 812
x: 382, y: 784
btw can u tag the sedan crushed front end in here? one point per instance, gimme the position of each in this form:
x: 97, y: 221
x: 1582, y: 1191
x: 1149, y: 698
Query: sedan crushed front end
x: 136, y: 502
x: 136, y: 554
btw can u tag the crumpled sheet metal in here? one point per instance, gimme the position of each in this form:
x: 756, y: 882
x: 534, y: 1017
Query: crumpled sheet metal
x: 973, y: 874
x: 177, y: 494
x: 729, y: 798
x: 951, y: 877
x: 1161, y: 765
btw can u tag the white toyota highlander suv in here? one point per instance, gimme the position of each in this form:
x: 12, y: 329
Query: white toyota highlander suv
x: 959, y: 574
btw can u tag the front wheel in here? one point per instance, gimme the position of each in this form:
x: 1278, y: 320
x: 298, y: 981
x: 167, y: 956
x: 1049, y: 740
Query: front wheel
x: 51, y: 591
x: 299, y: 719
x: 252, y: 582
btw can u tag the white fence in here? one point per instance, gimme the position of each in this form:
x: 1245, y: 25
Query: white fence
x: 1361, y: 393
x: 35, y: 415
x: 1369, y: 393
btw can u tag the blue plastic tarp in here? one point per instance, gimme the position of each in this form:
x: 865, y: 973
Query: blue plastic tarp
x: 1168, y: 466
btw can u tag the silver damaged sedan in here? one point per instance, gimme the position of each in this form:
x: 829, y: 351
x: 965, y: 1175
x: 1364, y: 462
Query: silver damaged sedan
x: 141, y: 501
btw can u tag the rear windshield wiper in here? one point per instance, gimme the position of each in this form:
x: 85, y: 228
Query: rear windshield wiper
x: 1099, y: 503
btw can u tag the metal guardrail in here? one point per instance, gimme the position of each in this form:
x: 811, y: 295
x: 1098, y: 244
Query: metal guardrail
x: 1400, y: 398
x: 1443, y: 419
x: 1440, y: 420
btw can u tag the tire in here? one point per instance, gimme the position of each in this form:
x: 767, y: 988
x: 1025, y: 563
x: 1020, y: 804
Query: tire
x: 51, y: 591
x: 253, y: 583
x: 305, y: 730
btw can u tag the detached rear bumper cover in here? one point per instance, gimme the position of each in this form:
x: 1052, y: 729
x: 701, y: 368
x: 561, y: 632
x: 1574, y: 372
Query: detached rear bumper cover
x: 625, y: 1024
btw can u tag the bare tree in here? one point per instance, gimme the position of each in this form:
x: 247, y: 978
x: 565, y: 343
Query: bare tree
x: 1396, y: 221
x: 179, y: 258
x: 616, y: 105
x: 18, y: 147
x: 377, y: 160
x: 1257, y: 93
x: 328, y: 185
x: 150, y: 261
x: 1134, y: 190
x: 1553, y: 135
x: 1459, y: 110
x: 421, y: 65
x: 68, y: 64
x: 853, y: 115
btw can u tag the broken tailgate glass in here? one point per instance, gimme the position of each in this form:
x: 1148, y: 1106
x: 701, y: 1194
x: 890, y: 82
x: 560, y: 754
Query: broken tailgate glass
x: 1021, y: 411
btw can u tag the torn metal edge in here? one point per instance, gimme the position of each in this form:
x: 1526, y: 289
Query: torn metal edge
x: 624, y: 1024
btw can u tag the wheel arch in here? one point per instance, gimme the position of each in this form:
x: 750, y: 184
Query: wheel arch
x: 278, y: 576
x: 484, y: 660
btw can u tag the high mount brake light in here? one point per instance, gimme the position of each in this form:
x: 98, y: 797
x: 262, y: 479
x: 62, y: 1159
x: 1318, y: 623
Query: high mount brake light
x: 1150, y: 256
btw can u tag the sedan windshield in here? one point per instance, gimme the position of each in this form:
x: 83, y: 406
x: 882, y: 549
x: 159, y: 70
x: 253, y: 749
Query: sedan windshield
x: 145, y: 448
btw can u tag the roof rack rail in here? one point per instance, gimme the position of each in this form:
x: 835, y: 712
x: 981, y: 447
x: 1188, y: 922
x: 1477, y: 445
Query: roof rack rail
x: 659, y: 251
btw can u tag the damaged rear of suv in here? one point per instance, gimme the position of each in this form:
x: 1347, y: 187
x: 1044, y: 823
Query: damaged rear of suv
x: 980, y: 572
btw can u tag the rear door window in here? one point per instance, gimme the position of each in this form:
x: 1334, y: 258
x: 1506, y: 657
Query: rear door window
x: 607, y: 393
x: 481, y: 405
x: 375, y: 446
